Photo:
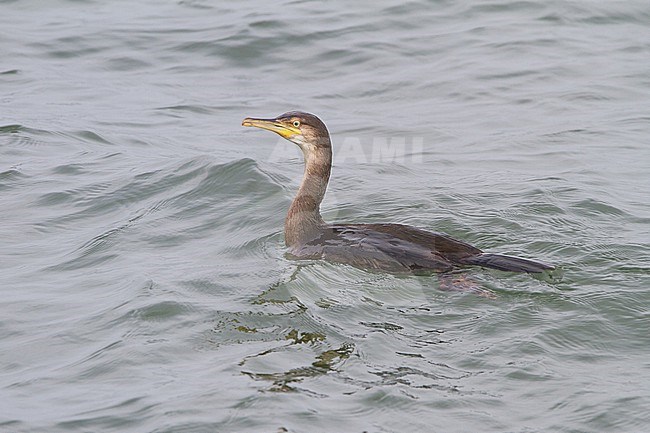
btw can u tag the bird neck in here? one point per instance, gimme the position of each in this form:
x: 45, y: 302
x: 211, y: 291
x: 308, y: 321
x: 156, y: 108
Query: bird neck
x: 304, y: 221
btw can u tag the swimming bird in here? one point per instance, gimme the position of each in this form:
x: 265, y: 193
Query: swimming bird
x: 394, y: 248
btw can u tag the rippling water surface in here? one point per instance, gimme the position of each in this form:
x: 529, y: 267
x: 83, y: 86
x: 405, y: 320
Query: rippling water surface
x: 142, y: 271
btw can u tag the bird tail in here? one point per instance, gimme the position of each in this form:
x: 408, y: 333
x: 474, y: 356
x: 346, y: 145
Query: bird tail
x: 507, y: 263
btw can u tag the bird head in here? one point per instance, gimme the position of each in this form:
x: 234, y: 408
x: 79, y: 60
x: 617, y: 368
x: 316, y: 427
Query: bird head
x: 303, y: 129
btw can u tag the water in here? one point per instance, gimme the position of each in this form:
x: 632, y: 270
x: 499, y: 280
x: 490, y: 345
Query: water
x: 143, y: 281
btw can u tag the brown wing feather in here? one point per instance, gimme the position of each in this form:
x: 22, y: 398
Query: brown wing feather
x: 387, y: 247
x: 443, y: 245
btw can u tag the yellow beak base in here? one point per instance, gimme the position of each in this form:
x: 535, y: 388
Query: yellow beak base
x: 274, y: 125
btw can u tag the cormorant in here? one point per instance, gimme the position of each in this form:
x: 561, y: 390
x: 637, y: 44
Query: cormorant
x: 395, y: 248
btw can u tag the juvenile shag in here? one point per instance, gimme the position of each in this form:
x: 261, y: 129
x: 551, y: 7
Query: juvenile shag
x: 386, y: 247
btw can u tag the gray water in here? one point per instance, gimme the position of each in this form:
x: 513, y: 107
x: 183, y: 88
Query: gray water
x: 143, y: 281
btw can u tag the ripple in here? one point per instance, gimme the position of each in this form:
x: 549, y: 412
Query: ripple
x: 11, y: 178
x: 198, y: 109
x: 11, y: 129
x: 126, y: 63
x: 161, y: 311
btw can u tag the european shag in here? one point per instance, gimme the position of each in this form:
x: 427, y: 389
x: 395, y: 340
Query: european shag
x: 394, y: 248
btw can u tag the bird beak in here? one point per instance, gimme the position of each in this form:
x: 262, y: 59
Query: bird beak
x: 274, y: 125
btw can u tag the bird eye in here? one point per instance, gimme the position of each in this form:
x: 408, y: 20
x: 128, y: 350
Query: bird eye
x: 296, y: 123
